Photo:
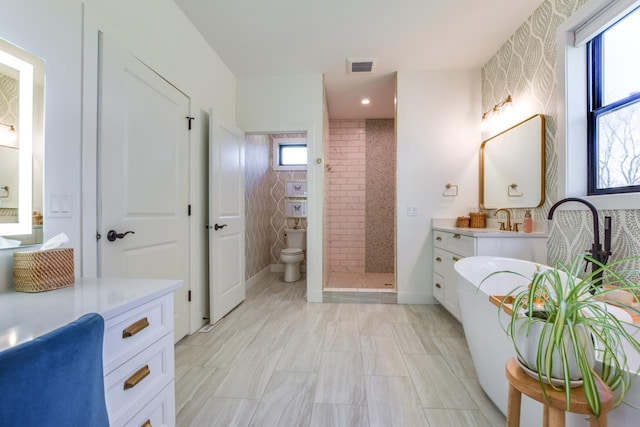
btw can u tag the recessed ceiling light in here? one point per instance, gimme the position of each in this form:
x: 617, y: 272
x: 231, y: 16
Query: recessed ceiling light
x: 365, y: 101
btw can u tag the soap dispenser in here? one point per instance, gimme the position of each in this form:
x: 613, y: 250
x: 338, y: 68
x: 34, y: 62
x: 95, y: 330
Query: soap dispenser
x: 527, y: 223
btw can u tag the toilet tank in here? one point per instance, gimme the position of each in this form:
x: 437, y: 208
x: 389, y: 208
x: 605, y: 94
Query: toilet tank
x: 295, y: 238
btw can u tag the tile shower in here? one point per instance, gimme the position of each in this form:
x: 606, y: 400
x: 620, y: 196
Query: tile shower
x: 359, y: 237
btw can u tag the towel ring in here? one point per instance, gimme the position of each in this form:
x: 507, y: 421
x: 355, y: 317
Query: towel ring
x: 449, y: 187
x: 511, y: 188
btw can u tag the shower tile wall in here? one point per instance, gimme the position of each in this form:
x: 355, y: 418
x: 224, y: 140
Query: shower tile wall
x: 360, y: 212
x: 345, y: 177
x: 380, y: 196
x: 525, y: 67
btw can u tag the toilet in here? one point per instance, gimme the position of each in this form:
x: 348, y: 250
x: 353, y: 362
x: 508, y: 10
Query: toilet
x: 293, y: 253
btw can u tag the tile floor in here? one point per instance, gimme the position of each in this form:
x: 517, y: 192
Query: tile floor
x: 277, y: 360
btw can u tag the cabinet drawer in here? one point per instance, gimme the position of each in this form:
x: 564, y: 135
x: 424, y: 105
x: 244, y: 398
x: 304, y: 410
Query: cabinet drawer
x: 131, y: 386
x: 438, y: 287
x: 460, y: 244
x: 127, y: 334
x: 439, y: 260
x: 439, y: 239
x: 160, y: 412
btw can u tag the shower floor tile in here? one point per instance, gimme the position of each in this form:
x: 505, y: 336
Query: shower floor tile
x: 380, y: 281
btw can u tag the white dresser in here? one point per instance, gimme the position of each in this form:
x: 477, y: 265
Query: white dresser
x: 138, y: 346
x: 451, y: 244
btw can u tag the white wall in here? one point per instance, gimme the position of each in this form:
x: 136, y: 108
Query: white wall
x: 292, y: 103
x: 159, y: 34
x: 438, y: 140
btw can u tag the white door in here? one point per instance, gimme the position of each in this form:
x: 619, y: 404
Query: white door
x: 226, y: 219
x: 142, y: 176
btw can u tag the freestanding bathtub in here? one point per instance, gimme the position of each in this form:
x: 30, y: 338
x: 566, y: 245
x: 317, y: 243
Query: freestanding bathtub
x: 491, y: 348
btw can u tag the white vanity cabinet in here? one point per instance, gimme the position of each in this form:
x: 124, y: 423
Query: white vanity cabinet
x: 138, y: 350
x: 138, y: 360
x: 452, y: 244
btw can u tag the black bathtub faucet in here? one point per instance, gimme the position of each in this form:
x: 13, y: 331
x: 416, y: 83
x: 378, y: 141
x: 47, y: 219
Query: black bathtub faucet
x: 597, y: 252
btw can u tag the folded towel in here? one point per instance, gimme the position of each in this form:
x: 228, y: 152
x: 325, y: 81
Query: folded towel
x: 56, y: 379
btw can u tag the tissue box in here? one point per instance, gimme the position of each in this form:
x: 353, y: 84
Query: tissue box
x: 38, y: 271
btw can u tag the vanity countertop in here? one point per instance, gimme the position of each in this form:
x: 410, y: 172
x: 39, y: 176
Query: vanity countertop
x: 25, y: 316
x: 448, y: 225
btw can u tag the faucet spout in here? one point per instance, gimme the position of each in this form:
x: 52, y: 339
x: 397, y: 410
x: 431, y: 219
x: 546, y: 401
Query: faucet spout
x: 599, y: 254
x: 506, y: 211
x: 594, y: 213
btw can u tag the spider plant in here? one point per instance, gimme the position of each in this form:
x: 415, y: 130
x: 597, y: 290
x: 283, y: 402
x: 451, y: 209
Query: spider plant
x: 568, y: 316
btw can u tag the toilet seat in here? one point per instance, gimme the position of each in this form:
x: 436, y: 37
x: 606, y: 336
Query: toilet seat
x: 291, y: 251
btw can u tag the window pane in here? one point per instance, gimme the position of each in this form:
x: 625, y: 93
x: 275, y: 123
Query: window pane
x: 293, y: 155
x: 621, y: 44
x: 619, y: 147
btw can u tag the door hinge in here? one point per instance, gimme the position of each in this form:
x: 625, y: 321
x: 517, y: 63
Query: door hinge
x: 189, y: 210
x: 189, y: 120
x: 189, y: 297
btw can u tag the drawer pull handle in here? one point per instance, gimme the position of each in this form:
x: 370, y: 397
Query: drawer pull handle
x: 147, y: 424
x: 438, y: 285
x: 134, y: 328
x: 438, y: 259
x: 455, y: 258
x: 134, y: 379
x: 439, y: 239
x: 456, y: 236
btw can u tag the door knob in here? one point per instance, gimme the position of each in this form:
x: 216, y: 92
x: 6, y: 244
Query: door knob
x: 219, y: 227
x: 112, y: 235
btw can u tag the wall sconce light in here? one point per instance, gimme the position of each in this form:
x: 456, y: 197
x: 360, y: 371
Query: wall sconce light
x: 496, y: 108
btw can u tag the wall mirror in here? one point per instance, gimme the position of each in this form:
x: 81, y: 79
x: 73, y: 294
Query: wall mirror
x: 512, y: 166
x: 21, y: 146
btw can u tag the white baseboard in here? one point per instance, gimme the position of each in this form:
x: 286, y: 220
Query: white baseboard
x: 249, y: 283
x: 416, y: 298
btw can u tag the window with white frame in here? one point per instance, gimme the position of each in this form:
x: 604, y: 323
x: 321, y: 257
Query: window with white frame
x: 613, y: 137
x: 289, y: 154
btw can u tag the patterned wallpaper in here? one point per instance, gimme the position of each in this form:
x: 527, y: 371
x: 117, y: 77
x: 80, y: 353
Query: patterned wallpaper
x: 525, y: 67
x: 277, y: 184
x: 381, y: 196
x: 8, y: 115
x: 257, y: 204
x: 265, y: 203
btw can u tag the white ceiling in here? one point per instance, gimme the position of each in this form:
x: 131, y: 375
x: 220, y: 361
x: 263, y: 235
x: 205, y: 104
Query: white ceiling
x: 258, y: 37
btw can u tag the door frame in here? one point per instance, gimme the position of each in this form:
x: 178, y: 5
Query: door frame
x: 88, y: 247
x: 315, y: 183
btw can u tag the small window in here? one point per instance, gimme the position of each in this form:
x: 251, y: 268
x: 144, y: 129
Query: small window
x: 290, y: 154
x: 614, y: 108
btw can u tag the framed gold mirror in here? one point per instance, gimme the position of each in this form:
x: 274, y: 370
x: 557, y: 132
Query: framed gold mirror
x: 512, y: 166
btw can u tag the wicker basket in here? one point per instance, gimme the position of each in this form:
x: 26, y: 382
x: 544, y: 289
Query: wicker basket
x: 478, y: 219
x: 462, y: 222
x: 39, y: 271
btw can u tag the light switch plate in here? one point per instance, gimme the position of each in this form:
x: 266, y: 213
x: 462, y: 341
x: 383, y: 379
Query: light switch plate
x: 59, y: 206
x: 412, y: 210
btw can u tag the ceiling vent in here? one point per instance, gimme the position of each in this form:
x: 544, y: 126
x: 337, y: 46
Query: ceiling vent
x: 360, y: 65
